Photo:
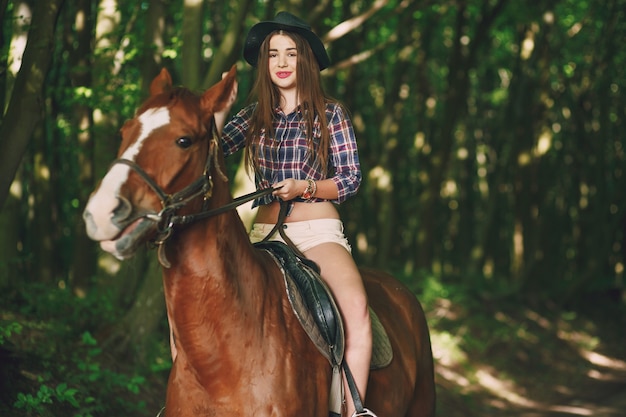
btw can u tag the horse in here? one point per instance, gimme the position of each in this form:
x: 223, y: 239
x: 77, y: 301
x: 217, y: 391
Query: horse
x: 240, y: 350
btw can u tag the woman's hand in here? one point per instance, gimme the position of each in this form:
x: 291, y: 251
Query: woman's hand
x: 220, y: 116
x: 290, y: 189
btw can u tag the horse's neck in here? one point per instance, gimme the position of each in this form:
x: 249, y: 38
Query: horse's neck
x: 217, y: 282
x: 212, y: 253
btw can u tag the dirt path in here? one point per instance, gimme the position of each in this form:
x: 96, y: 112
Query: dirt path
x: 522, y: 363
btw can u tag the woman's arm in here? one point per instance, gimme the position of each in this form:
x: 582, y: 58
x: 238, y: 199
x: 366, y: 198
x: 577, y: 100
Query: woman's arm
x: 344, y: 155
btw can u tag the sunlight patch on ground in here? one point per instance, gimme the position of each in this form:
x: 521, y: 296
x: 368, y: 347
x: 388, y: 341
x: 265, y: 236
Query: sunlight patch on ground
x: 506, y: 390
x: 453, y: 376
x: 602, y: 360
x: 537, y: 318
x: 616, y: 367
x: 568, y: 409
x: 446, y: 349
x: 453, y: 365
x: 578, y: 338
x: 459, y: 372
x: 448, y: 357
x: 586, y: 344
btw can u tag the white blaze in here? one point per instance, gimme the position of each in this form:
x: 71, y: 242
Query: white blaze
x: 102, y: 204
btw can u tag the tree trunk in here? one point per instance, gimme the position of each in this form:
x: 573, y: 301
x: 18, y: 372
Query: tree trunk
x: 10, y: 239
x: 42, y: 230
x: 192, y: 43
x: 83, y: 267
x: 26, y: 104
x: 153, y: 44
x: 228, y: 51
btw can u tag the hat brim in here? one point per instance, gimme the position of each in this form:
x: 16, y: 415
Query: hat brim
x: 259, y: 32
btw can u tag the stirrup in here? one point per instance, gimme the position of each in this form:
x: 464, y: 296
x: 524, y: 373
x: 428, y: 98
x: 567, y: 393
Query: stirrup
x: 365, y: 412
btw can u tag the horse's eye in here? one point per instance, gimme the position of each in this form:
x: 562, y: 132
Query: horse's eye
x: 184, y: 142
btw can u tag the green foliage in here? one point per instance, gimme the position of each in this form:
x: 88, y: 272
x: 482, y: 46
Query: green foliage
x: 72, y: 374
x: 76, y: 313
x: 86, y: 388
x: 46, y: 395
x: 6, y: 330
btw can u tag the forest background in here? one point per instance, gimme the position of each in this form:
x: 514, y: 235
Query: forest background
x: 491, y: 137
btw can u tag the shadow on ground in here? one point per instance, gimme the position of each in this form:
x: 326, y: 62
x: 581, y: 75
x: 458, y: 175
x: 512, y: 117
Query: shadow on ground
x: 506, y: 360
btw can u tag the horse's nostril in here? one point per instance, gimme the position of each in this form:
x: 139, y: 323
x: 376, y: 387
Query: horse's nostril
x: 87, y: 216
x: 123, y: 209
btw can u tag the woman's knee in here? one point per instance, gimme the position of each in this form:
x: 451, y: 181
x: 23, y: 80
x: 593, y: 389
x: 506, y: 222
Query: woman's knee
x: 358, y: 323
x: 357, y: 303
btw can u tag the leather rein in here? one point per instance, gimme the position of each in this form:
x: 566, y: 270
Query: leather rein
x: 167, y: 218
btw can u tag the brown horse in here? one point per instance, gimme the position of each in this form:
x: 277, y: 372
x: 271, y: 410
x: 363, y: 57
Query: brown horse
x: 241, y: 350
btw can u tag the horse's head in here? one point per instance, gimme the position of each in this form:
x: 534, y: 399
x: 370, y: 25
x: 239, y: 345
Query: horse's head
x: 163, y: 163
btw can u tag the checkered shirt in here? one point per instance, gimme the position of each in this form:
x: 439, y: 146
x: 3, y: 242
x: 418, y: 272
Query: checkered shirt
x: 288, y: 156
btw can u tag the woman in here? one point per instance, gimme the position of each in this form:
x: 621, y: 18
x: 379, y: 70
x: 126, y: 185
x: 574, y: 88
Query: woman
x: 300, y: 140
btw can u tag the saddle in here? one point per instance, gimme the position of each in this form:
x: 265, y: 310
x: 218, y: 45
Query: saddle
x: 315, y: 308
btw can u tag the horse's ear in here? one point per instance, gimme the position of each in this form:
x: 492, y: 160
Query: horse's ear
x: 161, y: 83
x: 217, y: 97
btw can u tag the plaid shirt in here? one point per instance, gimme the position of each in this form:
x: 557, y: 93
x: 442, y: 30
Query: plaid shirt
x: 288, y: 155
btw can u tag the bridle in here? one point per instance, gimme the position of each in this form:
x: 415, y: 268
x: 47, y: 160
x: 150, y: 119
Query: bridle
x: 167, y: 218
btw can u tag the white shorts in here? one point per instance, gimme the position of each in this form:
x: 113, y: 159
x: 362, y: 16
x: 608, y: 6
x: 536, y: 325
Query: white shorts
x: 305, y: 235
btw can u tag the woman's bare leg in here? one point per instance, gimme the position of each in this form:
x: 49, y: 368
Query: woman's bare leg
x: 341, y: 274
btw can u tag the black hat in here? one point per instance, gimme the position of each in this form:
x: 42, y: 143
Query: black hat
x: 288, y: 22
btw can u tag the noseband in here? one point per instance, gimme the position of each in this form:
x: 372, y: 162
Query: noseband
x: 167, y: 218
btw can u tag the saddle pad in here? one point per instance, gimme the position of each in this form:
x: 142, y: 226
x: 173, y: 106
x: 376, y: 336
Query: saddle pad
x: 330, y: 346
x: 382, y: 353
x: 310, y: 300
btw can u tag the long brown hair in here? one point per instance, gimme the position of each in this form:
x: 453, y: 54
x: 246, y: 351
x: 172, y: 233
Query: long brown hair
x: 311, y: 95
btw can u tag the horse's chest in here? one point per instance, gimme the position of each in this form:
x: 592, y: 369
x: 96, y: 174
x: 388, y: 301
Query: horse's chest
x: 267, y: 386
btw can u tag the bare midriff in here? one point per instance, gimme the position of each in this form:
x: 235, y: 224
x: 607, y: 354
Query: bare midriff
x: 301, y: 211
